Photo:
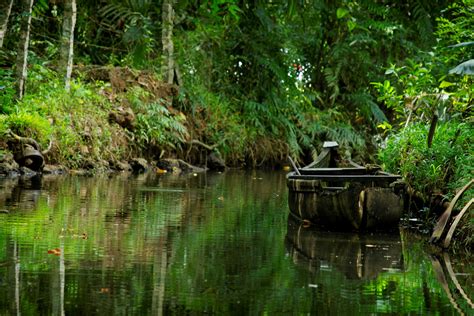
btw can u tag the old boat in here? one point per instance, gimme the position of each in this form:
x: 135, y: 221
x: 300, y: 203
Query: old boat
x: 344, y: 196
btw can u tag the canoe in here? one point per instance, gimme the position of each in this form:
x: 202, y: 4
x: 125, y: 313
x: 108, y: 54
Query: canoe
x: 343, y: 195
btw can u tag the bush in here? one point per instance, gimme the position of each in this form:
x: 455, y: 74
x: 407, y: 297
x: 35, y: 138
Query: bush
x: 447, y: 165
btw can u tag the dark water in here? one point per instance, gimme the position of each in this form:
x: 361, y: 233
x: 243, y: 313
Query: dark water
x: 203, y: 244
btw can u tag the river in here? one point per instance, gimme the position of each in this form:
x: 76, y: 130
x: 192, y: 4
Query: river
x: 215, y: 243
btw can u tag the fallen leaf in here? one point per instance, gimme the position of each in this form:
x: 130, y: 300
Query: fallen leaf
x: 55, y: 251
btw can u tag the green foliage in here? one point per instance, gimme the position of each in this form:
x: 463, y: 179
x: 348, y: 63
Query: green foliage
x: 156, y: 124
x: 138, y: 29
x: 443, y: 168
x: 76, y: 122
x: 260, y: 79
x: 7, y: 91
x: 27, y: 124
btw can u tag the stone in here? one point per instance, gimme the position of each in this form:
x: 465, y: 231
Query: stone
x: 139, y: 165
x: 215, y: 162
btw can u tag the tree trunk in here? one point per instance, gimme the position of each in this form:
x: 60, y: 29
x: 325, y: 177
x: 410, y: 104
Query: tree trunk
x: 167, y: 41
x: 5, y: 9
x: 22, y: 54
x: 67, y: 41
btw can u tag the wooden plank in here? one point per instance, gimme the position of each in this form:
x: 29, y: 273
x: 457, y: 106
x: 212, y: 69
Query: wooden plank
x: 294, y: 165
x: 322, y: 160
x: 346, y: 178
x: 447, y: 240
x: 438, y: 230
x: 333, y: 171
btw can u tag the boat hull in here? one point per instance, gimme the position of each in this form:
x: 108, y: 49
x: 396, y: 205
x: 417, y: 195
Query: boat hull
x: 346, y: 203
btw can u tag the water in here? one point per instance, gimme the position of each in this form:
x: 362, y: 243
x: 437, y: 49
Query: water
x: 217, y: 244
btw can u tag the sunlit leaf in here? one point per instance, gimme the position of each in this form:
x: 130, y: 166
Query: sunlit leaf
x: 341, y: 12
x: 445, y: 84
x: 351, y: 25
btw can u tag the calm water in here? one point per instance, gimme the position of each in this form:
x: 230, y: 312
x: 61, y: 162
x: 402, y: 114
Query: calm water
x: 206, y: 244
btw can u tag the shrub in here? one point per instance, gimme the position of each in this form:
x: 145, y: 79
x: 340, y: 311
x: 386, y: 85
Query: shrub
x: 448, y: 164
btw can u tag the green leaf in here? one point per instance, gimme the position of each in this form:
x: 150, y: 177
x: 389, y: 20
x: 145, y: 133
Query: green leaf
x: 351, y: 25
x: 341, y: 12
x: 445, y: 84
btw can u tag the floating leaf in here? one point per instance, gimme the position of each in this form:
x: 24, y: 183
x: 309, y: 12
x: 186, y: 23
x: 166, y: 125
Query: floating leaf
x: 55, y: 251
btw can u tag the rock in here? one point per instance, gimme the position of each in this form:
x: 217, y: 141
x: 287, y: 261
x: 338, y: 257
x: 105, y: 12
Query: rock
x: 8, y: 166
x: 27, y: 172
x: 54, y: 169
x: 123, y: 117
x: 177, y: 166
x: 215, y: 162
x: 78, y: 172
x: 139, y: 165
x: 120, y: 166
x: 89, y: 164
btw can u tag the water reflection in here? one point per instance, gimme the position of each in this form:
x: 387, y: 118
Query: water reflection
x: 356, y: 255
x: 444, y: 271
x: 211, y: 243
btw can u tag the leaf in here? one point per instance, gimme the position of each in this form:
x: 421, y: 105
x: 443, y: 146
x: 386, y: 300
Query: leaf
x: 465, y: 68
x: 341, y: 12
x: 445, y: 84
x: 378, y: 114
x: 351, y: 25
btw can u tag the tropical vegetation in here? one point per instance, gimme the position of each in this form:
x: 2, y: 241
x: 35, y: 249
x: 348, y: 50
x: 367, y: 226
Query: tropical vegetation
x: 250, y: 81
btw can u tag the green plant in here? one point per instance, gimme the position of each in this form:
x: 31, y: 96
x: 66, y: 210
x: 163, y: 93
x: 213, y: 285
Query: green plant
x: 443, y: 168
x: 27, y: 124
x: 7, y: 91
x: 157, y: 124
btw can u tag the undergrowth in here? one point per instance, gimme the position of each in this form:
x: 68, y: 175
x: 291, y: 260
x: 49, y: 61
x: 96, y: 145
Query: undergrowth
x: 243, y: 133
x: 443, y: 168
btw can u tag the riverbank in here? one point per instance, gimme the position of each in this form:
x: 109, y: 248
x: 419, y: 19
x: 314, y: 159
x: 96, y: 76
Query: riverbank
x: 120, y: 119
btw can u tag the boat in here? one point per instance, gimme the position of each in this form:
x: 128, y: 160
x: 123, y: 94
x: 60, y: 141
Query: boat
x: 342, y: 195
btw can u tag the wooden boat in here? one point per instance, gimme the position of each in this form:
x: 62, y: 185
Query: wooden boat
x: 346, y: 196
